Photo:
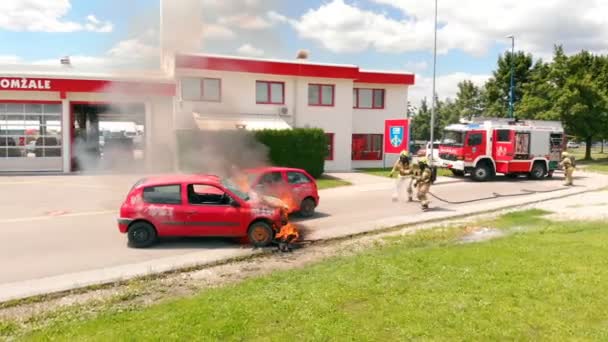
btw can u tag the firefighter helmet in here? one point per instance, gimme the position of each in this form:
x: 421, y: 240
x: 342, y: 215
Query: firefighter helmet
x: 565, y: 154
x: 404, y: 153
x: 423, y: 161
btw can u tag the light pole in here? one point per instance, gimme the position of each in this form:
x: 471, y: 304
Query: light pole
x: 433, y: 94
x: 512, y: 87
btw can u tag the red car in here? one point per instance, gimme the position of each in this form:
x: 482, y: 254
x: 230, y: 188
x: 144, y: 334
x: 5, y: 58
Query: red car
x: 196, y: 205
x: 295, y: 187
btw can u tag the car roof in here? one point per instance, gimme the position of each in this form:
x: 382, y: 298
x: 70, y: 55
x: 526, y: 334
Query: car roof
x: 177, y: 179
x: 271, y: 169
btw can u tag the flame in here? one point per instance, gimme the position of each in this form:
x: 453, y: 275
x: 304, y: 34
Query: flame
x: 242, y: 182
x: 288, y: 233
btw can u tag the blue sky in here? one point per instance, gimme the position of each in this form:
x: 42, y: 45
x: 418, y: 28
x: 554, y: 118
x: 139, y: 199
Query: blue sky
x: 374, y: 34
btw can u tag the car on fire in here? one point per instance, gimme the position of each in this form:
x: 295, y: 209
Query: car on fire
x: 295, y: 187
x: 196, y: 206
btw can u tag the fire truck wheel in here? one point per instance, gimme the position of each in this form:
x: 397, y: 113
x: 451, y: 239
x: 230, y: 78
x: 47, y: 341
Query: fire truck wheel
x: 307, y: 208
x: 538, y: 171
x: 482, y: 172
x: 260, y: 234
x: 141, y: 235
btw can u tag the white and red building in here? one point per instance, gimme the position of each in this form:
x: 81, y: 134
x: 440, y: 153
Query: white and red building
x: 46, y: 117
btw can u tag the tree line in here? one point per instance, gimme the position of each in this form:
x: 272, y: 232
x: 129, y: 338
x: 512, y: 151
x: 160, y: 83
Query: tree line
x: 571, y: 89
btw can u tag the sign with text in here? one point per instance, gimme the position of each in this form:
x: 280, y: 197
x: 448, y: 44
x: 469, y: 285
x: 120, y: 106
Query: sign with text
x: 396, y: 136
x: 25, y: 83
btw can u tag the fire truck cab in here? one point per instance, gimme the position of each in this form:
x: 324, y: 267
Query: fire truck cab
x: 485, y: 147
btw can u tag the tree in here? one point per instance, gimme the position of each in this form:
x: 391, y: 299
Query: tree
x: 496, y: 90
x: 468, y: 101
x: 421, y: 122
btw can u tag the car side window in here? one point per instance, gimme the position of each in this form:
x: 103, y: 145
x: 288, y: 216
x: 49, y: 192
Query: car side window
x: 297, y: 178
x: 271, y: 178
x: 200, y: 194
x: 163, y: 194
x: 475, y: 139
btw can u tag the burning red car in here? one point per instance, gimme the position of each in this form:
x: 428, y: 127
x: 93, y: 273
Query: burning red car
x: 295, y: 187
x: 196, y: 205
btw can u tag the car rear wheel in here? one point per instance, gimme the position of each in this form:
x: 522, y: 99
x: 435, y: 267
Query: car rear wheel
x: 260, y: 234
x: 142, y: 235
x: 307, y: 207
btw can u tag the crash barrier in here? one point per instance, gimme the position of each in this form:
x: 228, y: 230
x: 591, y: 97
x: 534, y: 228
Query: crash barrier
x: 497, y: 195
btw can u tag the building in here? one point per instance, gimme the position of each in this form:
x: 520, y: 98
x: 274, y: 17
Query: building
x: 59, y: 121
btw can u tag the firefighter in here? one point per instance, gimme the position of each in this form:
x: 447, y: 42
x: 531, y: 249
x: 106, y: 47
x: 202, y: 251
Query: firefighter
x: 403, y: 167
x: 568, y: 167
x: 423, y: 182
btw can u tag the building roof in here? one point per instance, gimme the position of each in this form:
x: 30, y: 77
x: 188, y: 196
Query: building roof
x: 290, y: 68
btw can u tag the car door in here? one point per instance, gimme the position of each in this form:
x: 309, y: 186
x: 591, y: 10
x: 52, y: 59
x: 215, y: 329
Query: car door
x: 164, y: 207
x: 210, y: 212
x: 301, y: 186
x: 475, y: 145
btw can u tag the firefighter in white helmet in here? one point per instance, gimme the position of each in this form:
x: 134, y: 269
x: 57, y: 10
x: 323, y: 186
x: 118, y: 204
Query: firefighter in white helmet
x: 404, y: 169
x: 423, y: 181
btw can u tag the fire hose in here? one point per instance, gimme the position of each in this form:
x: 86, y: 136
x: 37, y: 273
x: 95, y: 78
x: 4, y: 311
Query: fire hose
x: 497, y: 195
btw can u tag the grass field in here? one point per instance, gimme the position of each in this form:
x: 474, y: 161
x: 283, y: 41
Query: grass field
x: 599, y: 162
x: 543, y: 280
x: 383, y: 172
x: 327, y: 182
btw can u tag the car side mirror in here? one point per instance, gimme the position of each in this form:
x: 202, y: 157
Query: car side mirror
x: 234, y: 203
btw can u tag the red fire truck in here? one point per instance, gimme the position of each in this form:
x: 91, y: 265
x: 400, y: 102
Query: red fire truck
x: 485, y: 147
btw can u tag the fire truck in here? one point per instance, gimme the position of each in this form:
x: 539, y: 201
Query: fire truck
x: 485, y: 147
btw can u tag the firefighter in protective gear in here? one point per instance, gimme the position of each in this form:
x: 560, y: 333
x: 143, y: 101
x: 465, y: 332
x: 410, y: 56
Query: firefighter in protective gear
x: 404, y: 169
x: 568, y: 167
x: 423, y: 182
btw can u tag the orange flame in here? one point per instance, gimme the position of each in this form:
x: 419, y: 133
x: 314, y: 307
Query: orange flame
x: 288, y: 233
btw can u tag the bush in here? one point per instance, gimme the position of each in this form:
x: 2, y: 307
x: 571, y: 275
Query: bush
x: 303, y: 148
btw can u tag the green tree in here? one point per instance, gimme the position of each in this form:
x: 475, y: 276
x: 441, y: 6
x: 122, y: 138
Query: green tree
x: 421, y: 122
x: 468, y: 101
x: 495, y: 98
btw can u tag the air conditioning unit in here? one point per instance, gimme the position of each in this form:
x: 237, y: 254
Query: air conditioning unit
x: 283, y: 111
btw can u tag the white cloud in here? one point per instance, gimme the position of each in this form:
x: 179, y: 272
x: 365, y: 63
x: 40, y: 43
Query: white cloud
x: 9, y: 59
x: 217, y: 32
x: 249, y: 50
x: 473, y: 26
x: 446, y: 86
x: 245, y: 21
x: 45, y: 16
x: 416, y: 66
x: 134, y: 49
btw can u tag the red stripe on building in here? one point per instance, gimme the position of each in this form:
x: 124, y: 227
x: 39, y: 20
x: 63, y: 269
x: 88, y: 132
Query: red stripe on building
x: 289, y: 69
x: 86, y: 86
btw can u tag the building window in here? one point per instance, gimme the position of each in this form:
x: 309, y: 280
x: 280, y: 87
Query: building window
x: 368, y: 98
x: 329, y: 138
x: 367, y: 147
x: 30, y: 130
x: 201, y: 89
x: 320, y: 95
x: 269, y: 92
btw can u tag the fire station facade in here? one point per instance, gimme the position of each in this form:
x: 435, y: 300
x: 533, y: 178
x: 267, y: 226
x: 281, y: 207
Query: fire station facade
x: 45, y: 120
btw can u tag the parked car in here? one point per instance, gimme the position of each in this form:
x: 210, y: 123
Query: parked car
x: 293, y: 186
x: 572, y: 144
x: 426, y: 151
x: 196, y: 205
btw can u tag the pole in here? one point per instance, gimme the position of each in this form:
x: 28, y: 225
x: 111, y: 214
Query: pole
x: 512, y: 87
x: 433, y: 95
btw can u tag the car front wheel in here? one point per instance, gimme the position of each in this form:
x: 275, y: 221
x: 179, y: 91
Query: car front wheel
x: 307, y: 207
x: 260, y: 234
x: 142, y: 235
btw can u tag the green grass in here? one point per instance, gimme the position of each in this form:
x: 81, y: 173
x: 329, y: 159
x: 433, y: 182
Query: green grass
x: 327, y: 182
x: 383, y: 172
x: 544, y: 281
x: 599, y: 162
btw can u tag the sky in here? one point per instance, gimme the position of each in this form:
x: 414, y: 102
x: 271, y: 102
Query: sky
x: 395, y: 35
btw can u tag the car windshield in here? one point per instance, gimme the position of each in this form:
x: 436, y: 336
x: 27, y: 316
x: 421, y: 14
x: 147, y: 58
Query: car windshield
x: 228, y: 184
x: 454, y: 138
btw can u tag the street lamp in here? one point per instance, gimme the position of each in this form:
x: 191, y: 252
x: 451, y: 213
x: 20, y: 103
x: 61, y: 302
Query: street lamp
x: 512, y: 87
x: 433, y: 94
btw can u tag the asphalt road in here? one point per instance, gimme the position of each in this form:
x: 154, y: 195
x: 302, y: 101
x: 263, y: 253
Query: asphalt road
x: 57, y: 225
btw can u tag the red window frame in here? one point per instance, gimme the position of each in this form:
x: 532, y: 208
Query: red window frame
x: 372, y: 148
x: 320, y: 87
x: 201, y: 96
x: 374, y: 104
x: 330, y: 146
x: 269, y: 87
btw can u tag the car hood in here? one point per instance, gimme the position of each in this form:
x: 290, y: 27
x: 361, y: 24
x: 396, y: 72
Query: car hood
x: 258, y: 199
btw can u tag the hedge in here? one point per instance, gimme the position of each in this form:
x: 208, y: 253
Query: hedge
x: 303, y: 148
x: 217, y: 151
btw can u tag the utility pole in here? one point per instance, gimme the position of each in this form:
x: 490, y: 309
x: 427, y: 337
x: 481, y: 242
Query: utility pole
x: 433, y: 95
x: 512, y: 87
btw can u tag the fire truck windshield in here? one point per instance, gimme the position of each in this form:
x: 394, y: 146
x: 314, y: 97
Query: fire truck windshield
x: 453, y: 138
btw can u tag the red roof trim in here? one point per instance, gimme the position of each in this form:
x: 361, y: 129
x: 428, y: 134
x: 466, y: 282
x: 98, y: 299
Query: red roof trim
x: 289, y: 69
x: 86, y: 86
x: 385, y: 78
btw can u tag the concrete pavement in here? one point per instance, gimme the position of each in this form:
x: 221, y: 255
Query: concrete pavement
x: 63, y: 234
